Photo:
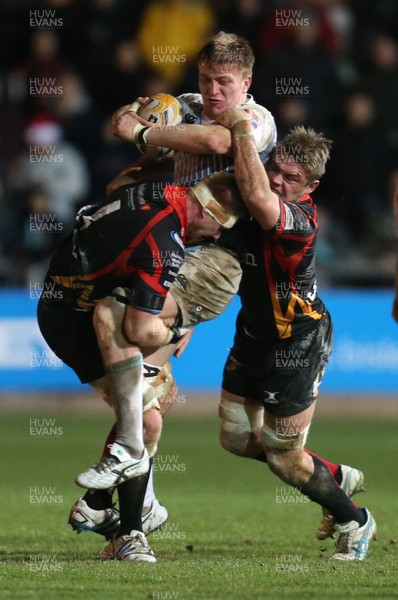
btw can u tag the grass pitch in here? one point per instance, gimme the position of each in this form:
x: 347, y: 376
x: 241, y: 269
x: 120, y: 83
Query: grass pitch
x: 234, y: 530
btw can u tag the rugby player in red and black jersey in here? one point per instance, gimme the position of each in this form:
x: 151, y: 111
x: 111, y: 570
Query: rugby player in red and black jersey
x: 225, y: 70
x: 133, y: 240
x: 284, y: 332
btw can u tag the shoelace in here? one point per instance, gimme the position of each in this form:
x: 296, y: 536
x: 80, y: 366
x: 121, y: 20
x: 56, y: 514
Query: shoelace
x: 143, y: 540
x: 137, y: 544
x: 105, y: 465
x: 343, y: 543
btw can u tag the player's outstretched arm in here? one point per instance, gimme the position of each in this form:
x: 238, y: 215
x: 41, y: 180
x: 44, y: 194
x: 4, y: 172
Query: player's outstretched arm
x: 146, y: 330
x: 251, y: 177
x: 197, y: 139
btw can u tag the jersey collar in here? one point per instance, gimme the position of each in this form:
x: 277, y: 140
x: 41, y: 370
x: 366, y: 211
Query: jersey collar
x: 176, y: 196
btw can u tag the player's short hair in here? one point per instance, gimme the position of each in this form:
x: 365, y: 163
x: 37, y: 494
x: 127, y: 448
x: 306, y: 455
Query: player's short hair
x: 306, y: 147
x: 233, y: 203
x: 228, y: 50
x: 220, y: 195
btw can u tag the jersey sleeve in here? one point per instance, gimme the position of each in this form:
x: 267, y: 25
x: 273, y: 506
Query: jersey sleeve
x: 295, y: 220
x: 264, y: 126
x: 191, y: 107
x: 161, y: 256
x: 188, y: 98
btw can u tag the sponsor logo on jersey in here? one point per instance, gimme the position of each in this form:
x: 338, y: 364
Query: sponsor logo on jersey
x: 250, y: 260
x: 289, y: 219
x: 190, y: 119
x: 175, y: 236
x: 255, y: 120
x: 270, y: 397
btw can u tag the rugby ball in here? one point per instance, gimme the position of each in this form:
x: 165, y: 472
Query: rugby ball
x: 162, y: 109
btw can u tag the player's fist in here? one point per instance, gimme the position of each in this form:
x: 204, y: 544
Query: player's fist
x: 133, y: 107
x: 128, y: 125
x: 231, y: 116
x: 182, y: 343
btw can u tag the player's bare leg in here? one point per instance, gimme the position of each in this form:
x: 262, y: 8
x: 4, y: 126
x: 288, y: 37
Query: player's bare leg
x: 123, y: 365
x: 130, y: 542
x: 242, y: 421
x: 283, y: 440
x: 161, y: 389
x: 95, y: 512
x: 241, y: 433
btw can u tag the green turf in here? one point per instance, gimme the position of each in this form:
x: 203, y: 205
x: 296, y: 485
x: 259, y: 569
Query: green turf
x: 233, y: 533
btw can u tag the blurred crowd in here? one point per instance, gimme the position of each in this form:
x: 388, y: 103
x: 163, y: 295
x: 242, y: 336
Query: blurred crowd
x: 68, y: 64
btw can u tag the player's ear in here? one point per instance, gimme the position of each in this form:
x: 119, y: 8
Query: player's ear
x: 312, y: 186
x: 247, y: 82
x: 203, y: 213
x: 218, y: 234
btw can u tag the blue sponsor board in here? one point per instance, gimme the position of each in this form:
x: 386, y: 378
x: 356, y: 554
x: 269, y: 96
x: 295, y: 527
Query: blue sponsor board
x: 364, y: 359
x: 365, y: 349
x: 26, y: 362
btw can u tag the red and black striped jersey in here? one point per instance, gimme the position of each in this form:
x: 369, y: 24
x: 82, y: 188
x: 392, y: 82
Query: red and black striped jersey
x: 135, y: 238
x: 278, y: 288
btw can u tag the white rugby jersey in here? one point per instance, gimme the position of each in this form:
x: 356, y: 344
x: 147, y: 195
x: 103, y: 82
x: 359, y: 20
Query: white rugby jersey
x: 189, y: 168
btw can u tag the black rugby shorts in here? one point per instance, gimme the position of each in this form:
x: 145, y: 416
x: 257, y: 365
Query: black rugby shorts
x: 71, y: 336
x: 284, y: 375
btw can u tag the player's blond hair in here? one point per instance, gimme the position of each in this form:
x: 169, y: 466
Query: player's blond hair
x: 306, y: 147
x: 228, y: 50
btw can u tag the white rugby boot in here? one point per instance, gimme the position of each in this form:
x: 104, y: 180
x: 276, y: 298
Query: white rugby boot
x: 352, y: 482
x: 111, y: 470
x: 353, y: 541
x: 132, y: 547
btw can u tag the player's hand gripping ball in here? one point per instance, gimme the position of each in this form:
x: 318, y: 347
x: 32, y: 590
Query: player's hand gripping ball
x: 161, y: 109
